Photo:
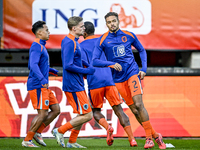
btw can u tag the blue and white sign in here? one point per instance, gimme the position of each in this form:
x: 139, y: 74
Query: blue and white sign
x: 134, y: 15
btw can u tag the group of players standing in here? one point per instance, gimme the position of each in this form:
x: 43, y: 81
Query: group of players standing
x: 110, y: 68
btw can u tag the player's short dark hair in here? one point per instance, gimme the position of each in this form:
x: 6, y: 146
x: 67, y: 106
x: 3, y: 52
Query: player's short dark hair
x: 73, y: 21
x: 89, y: 27
x: 111, y: 14
x: 37, y: 25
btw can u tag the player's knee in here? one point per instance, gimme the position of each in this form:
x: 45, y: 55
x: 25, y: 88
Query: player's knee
x: 134, y: 111
x: 57, y: 111
x: 43, y: 115
x: 139, y: 106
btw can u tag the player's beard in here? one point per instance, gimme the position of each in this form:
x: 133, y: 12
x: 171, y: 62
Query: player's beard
x: 114, y: 30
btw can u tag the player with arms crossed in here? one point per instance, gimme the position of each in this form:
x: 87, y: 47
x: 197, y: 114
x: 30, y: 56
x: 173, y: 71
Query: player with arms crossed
x: 101, y: 85
x: 116, y: 44
x: 42, y: 98
x: 73, y: 84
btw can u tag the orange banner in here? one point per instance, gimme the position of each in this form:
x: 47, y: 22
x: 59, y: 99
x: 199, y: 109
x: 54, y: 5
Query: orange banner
x: 172, y: 103
x: 166, y: 24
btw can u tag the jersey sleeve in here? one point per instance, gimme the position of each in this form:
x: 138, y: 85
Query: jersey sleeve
x: 84, y: 57
x: 98, y: 50
x: 68, y: 58
x: 35, y: 54
x: 142, y: 52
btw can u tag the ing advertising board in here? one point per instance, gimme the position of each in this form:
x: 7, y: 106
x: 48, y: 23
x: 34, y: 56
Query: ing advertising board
x: 159, y: 25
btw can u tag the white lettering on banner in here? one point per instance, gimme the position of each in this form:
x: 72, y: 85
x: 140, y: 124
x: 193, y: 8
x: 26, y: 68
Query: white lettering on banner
x: 26, y: 109
x: 134, y: 15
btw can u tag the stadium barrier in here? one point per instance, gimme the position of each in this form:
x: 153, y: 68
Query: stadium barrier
x: 172, y: 102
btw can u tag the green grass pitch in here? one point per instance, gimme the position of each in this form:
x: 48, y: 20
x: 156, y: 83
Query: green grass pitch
x: 100, y: 144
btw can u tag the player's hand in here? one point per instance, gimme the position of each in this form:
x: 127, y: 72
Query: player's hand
x: 53, y: 71
x: 46, y: 86
x: 91, y: 70
x: 118, y: 67
x: 141, y: 74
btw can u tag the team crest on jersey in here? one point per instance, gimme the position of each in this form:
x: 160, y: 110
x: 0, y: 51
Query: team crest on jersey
x: 119, y: 50
x: 85, y: 106
x: 124, y: 39
x: 46, y: 102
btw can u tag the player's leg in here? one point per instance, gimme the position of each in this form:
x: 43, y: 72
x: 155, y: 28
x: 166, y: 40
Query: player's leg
x: 124, y: 121
x: 41, y: 103
x: 77, y: 121
x: 54, y: 107
x: 99, y: 117
x: 80, y: 104
x: 113, y: 98
x: 144, y: 117
x: 125, y: 89
x: 135, y: 87
x: 155, y: 135
x: 35, y: 124
x: 73, y: 138
x: 96, y: 99
x: 55, y: 111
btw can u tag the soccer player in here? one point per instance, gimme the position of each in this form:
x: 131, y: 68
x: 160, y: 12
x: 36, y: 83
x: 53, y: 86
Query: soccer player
x: 102, y: 85
x: 42, y: 98
x: 73, y: 85
x: 116, y: 44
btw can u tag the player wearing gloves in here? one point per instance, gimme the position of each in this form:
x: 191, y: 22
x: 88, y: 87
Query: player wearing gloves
x: 41, y: 96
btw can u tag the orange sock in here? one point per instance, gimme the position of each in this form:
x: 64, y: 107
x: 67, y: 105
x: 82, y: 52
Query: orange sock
x: 73, y: 136
x: 41, y: 128
x: 29, y: 136
x: 129, y: 132
x: 147, y: 127
x: 104, y: 123
x: 67, y: 126
x: 154, y: 133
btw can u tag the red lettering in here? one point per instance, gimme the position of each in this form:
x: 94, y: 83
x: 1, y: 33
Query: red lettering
x: 21, y: 103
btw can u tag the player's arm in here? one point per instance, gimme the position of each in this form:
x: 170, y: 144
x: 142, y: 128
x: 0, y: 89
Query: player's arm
x: 35, y: 53
x: 84, y: 57
x: 68, y: 58
x: 97, y: 62
x: 143, y: 56
x: 53, y: 71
